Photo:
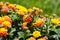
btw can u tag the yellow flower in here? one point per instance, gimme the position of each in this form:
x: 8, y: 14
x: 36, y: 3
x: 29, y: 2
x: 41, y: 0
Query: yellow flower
x: 31, y: 38
x: 20, y: 12
x: 3, y: 18
x: 30, y: 10
x: 38, y: 20
x: 21, y: 8
x: 35, y: 8
x: 55, y: 21
x: 0, y: 18
x: 36, y: 34
x: 6, y: 16
x: 6, y: 24
x: 3, y: 32
x: 40, y: 39
x: 1, y: 4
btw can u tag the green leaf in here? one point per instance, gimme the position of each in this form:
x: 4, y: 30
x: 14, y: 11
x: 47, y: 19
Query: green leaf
x: 0, y: 38
x: 36, y: 28
x: 28, y: 34
x: 14, y: 17
x: 57, y: 31
x: 21, y: 34
x: 36, y: 17
x: 12, y: 30
x: 58, y: 35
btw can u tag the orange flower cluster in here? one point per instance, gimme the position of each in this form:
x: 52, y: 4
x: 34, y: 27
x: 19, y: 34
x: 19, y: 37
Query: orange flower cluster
x: 6, y: 7
x: 5, y: 21
x: 26, y: 21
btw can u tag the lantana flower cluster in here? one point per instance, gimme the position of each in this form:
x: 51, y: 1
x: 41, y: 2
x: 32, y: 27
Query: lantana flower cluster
x: 5, y: 22
x: 18, y: 22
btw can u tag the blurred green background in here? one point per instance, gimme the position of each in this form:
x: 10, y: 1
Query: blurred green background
x: 49, y: 6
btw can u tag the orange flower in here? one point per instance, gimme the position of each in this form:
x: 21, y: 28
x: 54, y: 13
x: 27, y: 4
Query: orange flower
x: 7, y: 18
x: 24, y: 24
x: 3, y: 32
x: 38, y: 22
x: 11, y: 6
x: 6, y: 24
x: 0, y: 22
x: 27, y: 19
